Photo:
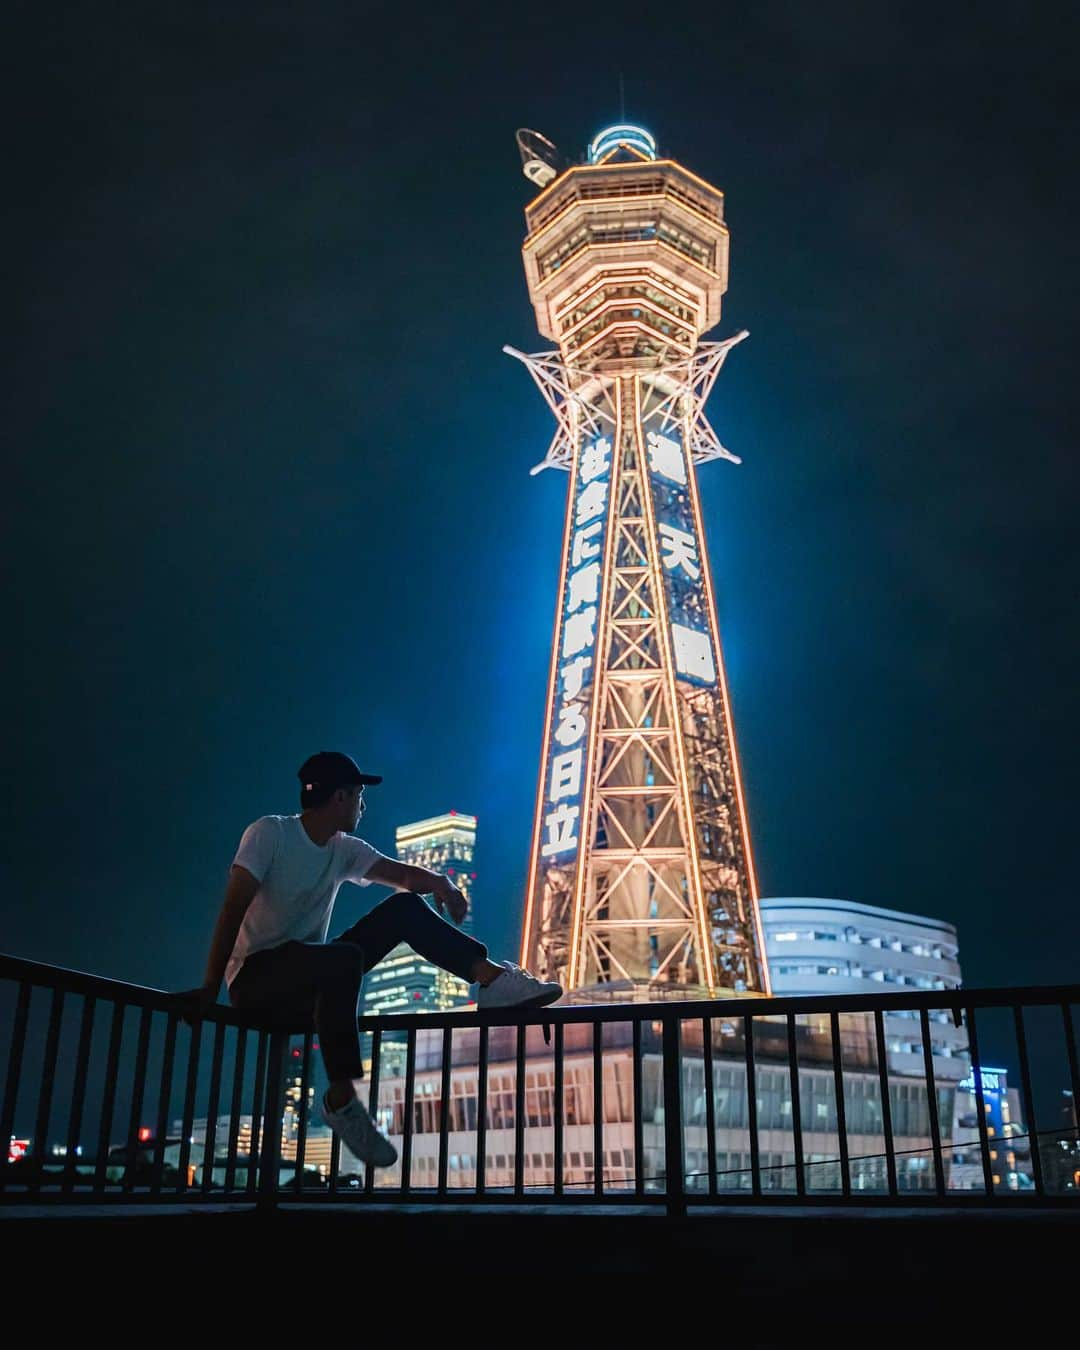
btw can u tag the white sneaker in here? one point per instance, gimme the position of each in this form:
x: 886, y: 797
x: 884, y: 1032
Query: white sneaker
x: 356, y: 1130
x: 516, y: 988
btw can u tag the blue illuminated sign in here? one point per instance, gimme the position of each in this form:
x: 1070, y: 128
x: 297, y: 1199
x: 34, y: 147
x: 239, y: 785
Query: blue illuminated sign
x: 576, y: 653
x: 993, y: 1081
x: 680, y: 558
x: 623, y: 134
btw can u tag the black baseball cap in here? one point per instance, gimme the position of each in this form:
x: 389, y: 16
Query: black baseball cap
x: 331, y: 769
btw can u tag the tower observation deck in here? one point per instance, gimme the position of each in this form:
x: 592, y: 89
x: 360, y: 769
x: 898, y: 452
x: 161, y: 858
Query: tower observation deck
x: 641, y: 880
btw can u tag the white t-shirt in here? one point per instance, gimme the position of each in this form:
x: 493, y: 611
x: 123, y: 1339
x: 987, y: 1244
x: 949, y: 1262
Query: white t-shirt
x: 298, y: 883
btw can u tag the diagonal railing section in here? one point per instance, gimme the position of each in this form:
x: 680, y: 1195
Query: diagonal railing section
x: 947, y: 1097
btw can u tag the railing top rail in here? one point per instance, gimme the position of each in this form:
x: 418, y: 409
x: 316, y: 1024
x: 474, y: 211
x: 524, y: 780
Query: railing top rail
x: 98, y: 986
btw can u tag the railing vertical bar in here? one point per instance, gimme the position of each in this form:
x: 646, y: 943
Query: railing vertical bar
x: 639, y: 1124
x: 1029, y: 1099
x: 138, y: 1092
x: 255, y: 1133
x: 710, y: 1104
x: 796, y: 1106
x: 1074, y: 1068
x: 210, y: 1137
x: 841, y: 1106
x: 886, y: 1105
x: 108, y: 1100
x: 519, y: 1114
x: 270, y: 1150
x: 45, y: 1092
x: 931, y: 1102
x: 980, y: 1101
x: 302, y: 1112
x: 481, y: 1113
x: 161, y: 1127
x: 445, y: 1106
x: 78, y: 1101
x: 234, y: 1108
x: 407, y: 1111
x: 674, y: 1185
x: 188, y: 1123
x: 11, y: 1086
x: 558, y: 1110
x: 751, y: 1105
x: 373, y: 1101
x: 598, y: 1108
x: 335, y: 1162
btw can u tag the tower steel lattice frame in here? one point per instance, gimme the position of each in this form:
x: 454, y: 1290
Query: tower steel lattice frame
x: 657, y: 895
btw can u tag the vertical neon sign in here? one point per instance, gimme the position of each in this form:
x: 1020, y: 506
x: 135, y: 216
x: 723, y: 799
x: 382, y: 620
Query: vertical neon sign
x: 578, y: 627
x: 680, y: 557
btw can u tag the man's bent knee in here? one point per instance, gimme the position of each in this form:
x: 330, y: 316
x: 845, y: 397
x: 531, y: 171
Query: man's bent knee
x: 405, y: 900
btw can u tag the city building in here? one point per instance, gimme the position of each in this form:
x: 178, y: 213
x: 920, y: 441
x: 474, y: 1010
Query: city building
x: 1008, y: 1142
x: 1061, y: 1150
x: 908, y: 1101
x: 641, y: 880
x: 445, y: 843
x: 404, y: 981
x: 319, y: 1139
x: 317, y: 1145
x: 840, y: 947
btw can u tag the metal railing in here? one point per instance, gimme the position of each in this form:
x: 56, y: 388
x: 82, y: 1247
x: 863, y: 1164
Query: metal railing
x: 735, y: 1101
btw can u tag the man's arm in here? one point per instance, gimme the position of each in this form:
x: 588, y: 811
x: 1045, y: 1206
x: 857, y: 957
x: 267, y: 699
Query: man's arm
x: 239, y: 893
x: 407, y: 877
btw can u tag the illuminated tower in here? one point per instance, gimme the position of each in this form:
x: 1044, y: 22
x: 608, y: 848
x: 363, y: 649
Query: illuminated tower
x: 641, y: 880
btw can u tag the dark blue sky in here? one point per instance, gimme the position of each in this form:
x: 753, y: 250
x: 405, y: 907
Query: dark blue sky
x: 268, y: 481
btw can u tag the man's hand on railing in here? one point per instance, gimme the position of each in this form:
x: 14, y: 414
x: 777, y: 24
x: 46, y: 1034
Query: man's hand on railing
x: 450, y: 899
x: 194, y: 1004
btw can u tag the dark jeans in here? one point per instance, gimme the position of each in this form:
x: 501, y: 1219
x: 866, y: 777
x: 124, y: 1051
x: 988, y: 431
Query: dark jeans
x: 320, y: 981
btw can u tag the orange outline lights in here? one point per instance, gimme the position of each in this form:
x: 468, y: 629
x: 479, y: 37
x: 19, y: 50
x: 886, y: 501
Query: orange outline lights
x: 534, y: 857
x: 689, y: 833
x: 637, y: 306
x: 729, y: 725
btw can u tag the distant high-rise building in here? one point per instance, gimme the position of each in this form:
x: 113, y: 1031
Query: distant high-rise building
x: 318, y: 1142
x: 445, y: 844
x: 404, y: 982
x: 840, y: 947
x: 1008, y: 1142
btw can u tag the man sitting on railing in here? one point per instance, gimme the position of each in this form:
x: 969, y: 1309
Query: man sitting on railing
x: 270, y: 938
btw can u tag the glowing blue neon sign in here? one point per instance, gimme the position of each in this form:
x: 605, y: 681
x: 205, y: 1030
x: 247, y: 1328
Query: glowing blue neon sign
x: 576, y: 653
x: 681, y: 559
x: 993, y: 1080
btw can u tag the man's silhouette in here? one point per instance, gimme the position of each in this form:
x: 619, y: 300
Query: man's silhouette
x: 270, y: 943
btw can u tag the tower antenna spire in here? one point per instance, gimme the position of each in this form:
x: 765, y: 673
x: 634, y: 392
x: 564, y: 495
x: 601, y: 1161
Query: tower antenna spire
x: 622, y: 98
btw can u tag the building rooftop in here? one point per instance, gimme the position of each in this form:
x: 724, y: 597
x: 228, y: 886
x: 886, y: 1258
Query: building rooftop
x: 852, y: 906
x: 446, y: 823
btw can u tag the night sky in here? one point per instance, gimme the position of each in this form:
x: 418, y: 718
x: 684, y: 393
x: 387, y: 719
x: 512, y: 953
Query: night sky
x: 267, y: 475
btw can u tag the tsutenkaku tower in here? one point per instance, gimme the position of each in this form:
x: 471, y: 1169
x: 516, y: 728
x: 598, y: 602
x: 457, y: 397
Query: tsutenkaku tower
x: 641, y: 881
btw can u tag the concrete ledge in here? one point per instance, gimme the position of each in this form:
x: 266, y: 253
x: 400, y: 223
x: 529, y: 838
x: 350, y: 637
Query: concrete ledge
x: 777, y: 1277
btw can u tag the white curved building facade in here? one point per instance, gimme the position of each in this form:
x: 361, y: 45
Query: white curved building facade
x: 841, y: 947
